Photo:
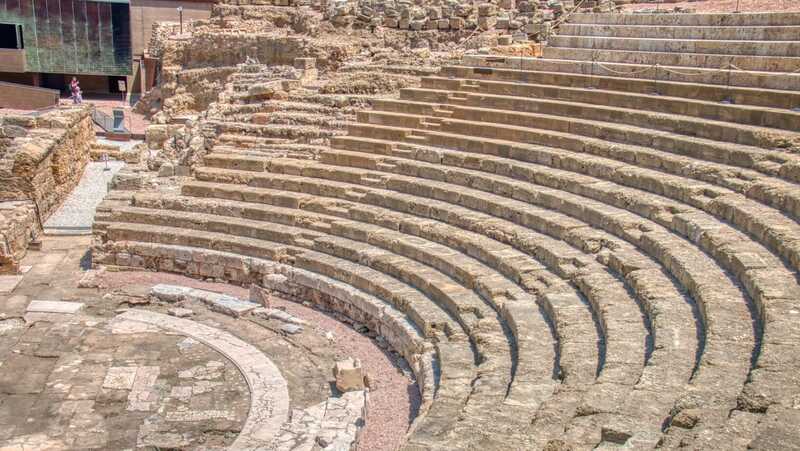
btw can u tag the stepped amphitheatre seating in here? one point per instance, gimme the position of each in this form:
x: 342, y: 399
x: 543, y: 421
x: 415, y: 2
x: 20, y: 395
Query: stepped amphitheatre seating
x: 588, y: 260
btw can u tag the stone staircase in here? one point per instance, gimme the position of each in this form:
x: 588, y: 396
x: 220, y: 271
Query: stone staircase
x: 300, y: 122
x: 570, y: 258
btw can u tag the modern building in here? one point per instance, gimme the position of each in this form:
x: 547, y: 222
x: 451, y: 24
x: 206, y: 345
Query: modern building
x: 46, y: 42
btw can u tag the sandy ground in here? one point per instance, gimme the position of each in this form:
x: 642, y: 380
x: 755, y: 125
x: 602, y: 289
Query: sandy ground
x: 715, y: 6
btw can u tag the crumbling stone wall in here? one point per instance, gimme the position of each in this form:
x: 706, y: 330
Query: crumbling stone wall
x: 46, y: 162
x: 42, y: 158
x: 18, y: 225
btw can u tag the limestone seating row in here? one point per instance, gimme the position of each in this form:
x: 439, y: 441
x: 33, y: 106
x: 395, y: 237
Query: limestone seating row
x: 781, y: 64
x: 765, y: 224
x: 247, y: 141
x: 289, y: 150
x: 494, y: 355
x: 636, y: 119
x: 769, y: 19
x: 744, y: 163
x: 697, y: 273
x: 781, y: 166
x: 768, y: 283
x: 591, y: 94
x: 598, y: 79
x: 739, y: 33
x: 592, y: 64
x: 789, y: 47
x: 683, y: 352
x: 291, y: 132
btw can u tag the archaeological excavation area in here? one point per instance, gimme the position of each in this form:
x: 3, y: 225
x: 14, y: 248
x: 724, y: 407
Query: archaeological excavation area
x: 380, y: 225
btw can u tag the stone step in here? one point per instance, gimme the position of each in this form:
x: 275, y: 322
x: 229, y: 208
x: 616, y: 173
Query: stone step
x: 746, y: 135
x: 741, y: 96
x: 559, y: 132
x: 749, y: 213
x: 751, y: 19
x: 684, y: 63
x: 593, y: 93
x: 272, y: 106
x: 738, y: 33
x: 295, y: 118
x: 591, y: 65
x: 290, y: 150
x: 789, y: 48
x: 504, y: 296
x: 279, y: 132
x: 420, y: 71
x: 241, y: 140
x: 556, y: 132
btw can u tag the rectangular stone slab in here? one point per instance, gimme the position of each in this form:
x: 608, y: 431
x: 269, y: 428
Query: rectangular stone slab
x: 54, y: 307
x: 9, y: 283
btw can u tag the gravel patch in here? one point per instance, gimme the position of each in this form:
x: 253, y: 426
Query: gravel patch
x: 76, y: 215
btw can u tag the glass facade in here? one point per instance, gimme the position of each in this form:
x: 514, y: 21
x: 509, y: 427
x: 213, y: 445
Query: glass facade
x: 72, y: 36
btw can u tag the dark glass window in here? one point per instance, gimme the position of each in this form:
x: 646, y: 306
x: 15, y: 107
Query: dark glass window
x: 10, y: 36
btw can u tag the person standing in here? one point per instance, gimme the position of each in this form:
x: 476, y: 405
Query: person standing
x: 75, y: 90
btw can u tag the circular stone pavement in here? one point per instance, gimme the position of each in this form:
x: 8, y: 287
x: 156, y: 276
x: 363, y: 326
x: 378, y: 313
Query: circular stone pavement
x: 78, y: 382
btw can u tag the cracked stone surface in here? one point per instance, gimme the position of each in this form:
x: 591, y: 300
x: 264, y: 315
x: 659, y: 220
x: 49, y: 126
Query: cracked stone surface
x: 89, y: 385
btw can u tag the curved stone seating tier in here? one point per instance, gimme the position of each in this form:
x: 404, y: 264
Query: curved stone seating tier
x: 704, y: 32
x: 748, y: 48
x: 720, y: 21
x: 644, y: 70
x: 645, y: 102
x: 593, y: 76
x: 753, y: 216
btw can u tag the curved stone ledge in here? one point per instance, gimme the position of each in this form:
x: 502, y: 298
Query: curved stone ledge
x: 295, y: 284
x: 269, y: 394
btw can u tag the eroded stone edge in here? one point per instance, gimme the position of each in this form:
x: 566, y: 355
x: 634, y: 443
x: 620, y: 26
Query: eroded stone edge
x: 269, y: 394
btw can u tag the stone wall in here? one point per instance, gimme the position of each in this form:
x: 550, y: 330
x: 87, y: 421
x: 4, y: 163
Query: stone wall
x: 42, y: 158
x: 18, y: 225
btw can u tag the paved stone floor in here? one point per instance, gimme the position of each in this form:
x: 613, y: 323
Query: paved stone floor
x: 76, y: 215
x: 88, y: 384
x: 86, y: 381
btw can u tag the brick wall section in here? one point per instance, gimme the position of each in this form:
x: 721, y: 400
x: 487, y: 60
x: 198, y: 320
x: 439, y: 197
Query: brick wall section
x: 22, y: 97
